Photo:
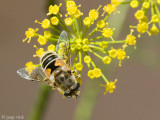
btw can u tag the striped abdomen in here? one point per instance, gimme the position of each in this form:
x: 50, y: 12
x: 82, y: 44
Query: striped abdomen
x: 48, y: 61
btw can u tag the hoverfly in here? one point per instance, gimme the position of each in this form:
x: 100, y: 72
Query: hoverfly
x: 56, y: 69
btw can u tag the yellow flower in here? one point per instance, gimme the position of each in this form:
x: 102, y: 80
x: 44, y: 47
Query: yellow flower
x: 154, y: 30
x: 85, y: 48
x: 29, y: 34
x: 85, y: 41
x: 78, y: 46
x: 39, y: 52
x: 79, y: 66
x: 145, y: 5
x: 109, y: 9
x: 94, y: 14
x: 42, y: 40
x: 54, y: 20
x: 97, y: 72
x: 47, y: 34
x: 78, y: 41
x: 142, y: 27
x: 139, y: 14
x: 116, y: 2
x: 158, y: 2
x: 87, y: 59
x: 131, y: 40
x: 30, y: 67
x: 106, y: 60
x: 155, y: 18
x: 112, y: 53
x: 121, y: 54
x: 134, y: 3
x: 53, y: 9
x: 68, y: 21
x: 110, y: 86
x: 103, y: 44
x: 78, y: 14
x: 91, y: 74
x: 87, y: 21
x: 101, y: 24
x: 45, y: 23
x: 72, y: 8
x: 51, y: 47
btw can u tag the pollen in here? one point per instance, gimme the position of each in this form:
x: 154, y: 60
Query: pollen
x: 54, y: 20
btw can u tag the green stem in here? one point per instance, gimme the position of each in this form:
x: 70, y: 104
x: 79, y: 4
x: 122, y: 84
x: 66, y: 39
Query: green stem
x: 96, y: 38
x: 40, y: 105
x: 109, y: 42
x: 55, y: 29
x: 96, y: 54
x: 158, y: 13
x: 98, y: 48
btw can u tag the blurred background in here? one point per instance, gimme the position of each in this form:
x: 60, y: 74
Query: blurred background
x: 136, y: 97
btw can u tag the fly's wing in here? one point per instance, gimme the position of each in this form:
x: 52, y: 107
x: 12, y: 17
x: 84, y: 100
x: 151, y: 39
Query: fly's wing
x: 63, y: 47
x: 37, y: 75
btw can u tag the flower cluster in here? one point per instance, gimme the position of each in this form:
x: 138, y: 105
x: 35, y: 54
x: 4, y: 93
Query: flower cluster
x: 143, y: 19
x: 85, y: 44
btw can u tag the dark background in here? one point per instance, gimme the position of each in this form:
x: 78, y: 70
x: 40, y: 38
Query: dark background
x: 136, y: 97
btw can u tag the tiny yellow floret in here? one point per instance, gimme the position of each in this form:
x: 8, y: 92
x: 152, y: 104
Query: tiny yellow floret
x: 46, y: 23
x: 87, y: 59
x: 47, y: 34
x: 30, y: 67
x: 29, y: 34
x: 134, y: 3
x: 42, y: 40
x: 68, y: 21
x: 85, y: 48
x: 112, y: 53
x: 54, y: 9
x: 51, y: 47
x: 106, y: 60
x: 154, y: 30
x: 54, y: 20
x: 79, y: 66
x: 103, y: 44
x: 155, y: 18
x: 110, y: 86
x: 145, y: 5
x: 97, y: 72
x: 139, y: 14
x: 101, y: 24
x: 91, y: 74
x: 87, y: 21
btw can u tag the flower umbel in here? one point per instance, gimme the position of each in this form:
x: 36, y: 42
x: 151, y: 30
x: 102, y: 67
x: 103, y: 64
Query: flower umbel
x: 86, y: 44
